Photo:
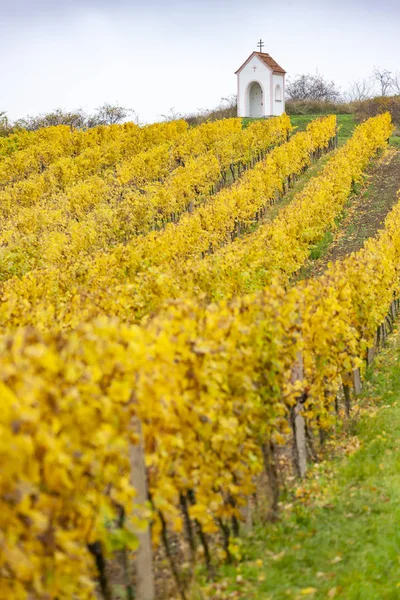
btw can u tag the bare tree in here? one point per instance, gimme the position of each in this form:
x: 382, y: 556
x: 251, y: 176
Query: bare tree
x: 173, y: 115
x: 312, y: 87
x: 383, y: 77
x: 361, y: 89
x: 4, y: 124
x: 229, y: 101
x: 107, y: 114
x: 110, y: 114
x: 396, y: 83
x: 75, y: 119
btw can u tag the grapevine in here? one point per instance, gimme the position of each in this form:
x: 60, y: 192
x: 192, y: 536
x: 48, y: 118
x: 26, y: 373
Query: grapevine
x: 211, y: 384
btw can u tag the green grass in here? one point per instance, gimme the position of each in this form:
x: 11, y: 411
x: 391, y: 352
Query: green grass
x: 344, y: 540
x: 395, y: 140
x: 321, y: 247
x: 346, y: 123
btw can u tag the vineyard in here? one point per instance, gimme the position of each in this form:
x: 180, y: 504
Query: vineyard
x: 162, y: 353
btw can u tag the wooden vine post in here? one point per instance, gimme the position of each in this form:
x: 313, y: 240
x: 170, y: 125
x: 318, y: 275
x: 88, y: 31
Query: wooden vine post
x: 370, y: 355
x: 357, y: 385
x: 298, y: 422
x: 145, y: 588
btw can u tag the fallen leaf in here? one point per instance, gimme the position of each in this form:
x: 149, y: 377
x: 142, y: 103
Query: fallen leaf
x: 278, y: 556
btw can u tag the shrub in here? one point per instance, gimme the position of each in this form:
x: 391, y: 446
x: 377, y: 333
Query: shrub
x: 225, y: 110
x: 314, y: 107
x: 375, y: 106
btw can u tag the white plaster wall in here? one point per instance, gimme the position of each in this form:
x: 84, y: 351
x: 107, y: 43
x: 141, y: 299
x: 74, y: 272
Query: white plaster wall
x: 278, y: 107
x: 263, y: 75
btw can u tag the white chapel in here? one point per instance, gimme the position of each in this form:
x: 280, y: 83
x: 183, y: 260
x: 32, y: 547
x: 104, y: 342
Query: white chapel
x: 261, y: 86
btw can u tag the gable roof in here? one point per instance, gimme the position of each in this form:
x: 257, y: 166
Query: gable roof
x: 266, y: 59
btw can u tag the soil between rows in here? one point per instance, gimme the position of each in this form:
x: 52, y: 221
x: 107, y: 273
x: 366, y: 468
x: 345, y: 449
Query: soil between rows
x: 366, y: 212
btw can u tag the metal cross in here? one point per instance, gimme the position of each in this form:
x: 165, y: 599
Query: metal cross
x: 260, y: 45
x: 254, y: 68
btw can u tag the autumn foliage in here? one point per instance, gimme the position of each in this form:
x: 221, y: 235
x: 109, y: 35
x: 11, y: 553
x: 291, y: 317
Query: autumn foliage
x: 134, y: 285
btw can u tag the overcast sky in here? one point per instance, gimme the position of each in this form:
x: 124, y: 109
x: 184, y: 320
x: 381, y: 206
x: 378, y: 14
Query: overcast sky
x: 153, y: 55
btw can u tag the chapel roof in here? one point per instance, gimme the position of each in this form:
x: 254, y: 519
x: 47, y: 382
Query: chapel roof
x: 267, y: 59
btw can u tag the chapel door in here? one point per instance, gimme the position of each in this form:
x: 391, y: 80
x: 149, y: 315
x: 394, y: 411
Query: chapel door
x: 256, y: 103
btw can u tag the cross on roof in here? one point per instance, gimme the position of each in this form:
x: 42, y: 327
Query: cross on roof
x: 260, y: 45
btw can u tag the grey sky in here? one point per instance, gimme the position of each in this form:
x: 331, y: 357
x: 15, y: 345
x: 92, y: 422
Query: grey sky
x: 155, y: 55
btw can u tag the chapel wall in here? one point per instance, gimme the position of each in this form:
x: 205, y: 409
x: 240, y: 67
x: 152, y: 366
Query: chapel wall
x: 278, y: 107
x: 246, y: 76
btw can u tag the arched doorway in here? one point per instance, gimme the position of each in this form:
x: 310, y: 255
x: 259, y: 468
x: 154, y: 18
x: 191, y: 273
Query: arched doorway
x: 256, y: 101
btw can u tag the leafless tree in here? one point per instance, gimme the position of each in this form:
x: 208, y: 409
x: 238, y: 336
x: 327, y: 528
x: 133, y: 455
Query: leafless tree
x: 75, y: 119
x: 229, y: 101
x: 384, y: 79
x: 312, y: 87
x: 361, y: 89
x: 396, y: 83
x: 107, y: 114
x: 173, y: 115
x: 110, y: 114
x: 4, y: 124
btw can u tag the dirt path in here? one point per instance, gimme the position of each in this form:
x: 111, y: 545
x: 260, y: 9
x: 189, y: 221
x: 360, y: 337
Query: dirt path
x: 366, y: 212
